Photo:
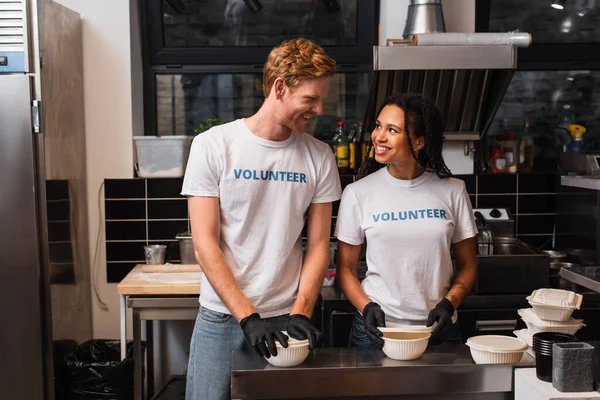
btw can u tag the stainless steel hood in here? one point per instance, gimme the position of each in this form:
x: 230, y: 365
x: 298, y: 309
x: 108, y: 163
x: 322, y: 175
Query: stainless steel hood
x: 466, y: 82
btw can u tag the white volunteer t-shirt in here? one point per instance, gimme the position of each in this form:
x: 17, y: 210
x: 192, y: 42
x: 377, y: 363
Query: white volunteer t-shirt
x: 264, y: 189
x: 409, y: 226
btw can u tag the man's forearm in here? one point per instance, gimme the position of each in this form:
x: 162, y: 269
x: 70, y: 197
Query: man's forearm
x: 311, y: 279
x: 217, y: 270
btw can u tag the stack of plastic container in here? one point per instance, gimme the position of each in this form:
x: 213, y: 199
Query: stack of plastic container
x: 551, y: 312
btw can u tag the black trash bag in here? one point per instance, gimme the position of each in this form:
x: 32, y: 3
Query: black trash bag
x: 60, y: 348
x: 96, y: 371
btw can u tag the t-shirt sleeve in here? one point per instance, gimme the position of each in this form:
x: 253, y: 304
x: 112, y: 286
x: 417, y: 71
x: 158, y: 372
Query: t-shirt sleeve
x: 348, y: 225
x: 465, y: 227
x: 328, y: 188
x: 202, y: 174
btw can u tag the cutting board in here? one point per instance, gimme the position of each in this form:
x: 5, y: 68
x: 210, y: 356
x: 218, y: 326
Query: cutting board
x: 164, y: 280
x: 171, y: 268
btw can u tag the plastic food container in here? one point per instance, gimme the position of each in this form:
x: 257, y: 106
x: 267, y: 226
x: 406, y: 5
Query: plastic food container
x: 535, y: 324
x: 554, y: 304
x: 295, y: 354
x: 525, y: 336
x: 496, y: 349
x: 162, y: 156
x: 402, y: 344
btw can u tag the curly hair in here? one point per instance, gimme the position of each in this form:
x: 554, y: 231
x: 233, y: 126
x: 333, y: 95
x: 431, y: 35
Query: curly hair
x: 295, y: 60
x: 422, y: 119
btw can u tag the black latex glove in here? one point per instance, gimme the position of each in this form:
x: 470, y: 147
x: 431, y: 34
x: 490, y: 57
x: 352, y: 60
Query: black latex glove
x: 261, y: 335
x: 442, y: 314
x: 374, y: 317
x: 299, y: 327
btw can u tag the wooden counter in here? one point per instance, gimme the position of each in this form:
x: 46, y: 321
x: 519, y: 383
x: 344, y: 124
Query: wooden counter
x: 161, y: 280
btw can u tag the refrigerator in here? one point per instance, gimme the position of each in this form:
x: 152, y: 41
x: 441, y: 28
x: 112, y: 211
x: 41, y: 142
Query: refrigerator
x: 44, y: 258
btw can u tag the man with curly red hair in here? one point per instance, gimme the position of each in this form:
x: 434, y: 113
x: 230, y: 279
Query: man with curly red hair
x: 251, y: 184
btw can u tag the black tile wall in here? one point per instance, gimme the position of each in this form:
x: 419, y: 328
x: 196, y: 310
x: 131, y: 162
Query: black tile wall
x: 57, y: 189
x: 129, y: 209
x: 59, y: 232
x: 124, y: 189
x: 498, y: 201
x: 58, y: 210
x: 470, y: 182
x: 496, y: 184
x: 166, y: 230
x: 115, y: 272
x: 538, y: 183
x: 140, y: 211
x: 538, y: 241
x: 537, y: 203
x: 126, y: 230
x: 167, y: 209
x: 535, y: 224
x: 166, y: 188
x: 125, y: 251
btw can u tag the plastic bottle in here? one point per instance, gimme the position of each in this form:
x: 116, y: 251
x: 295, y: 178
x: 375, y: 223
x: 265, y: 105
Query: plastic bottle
x: 341, y: 149
x: 511, y: 149
x: 565, y: 118
x: 577, y: 132
x: 526, y: 150
x: 498, y: 163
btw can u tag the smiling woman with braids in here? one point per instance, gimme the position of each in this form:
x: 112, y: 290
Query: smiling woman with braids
x: 412, y: 214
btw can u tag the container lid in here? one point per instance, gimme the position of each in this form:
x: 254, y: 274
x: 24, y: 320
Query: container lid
x: 391, y: 327
x: 525, y: 336
x: 556, y: 298
x: 184, y: 235
x: 530, y: 316
x: 496, y: 343
x: 292, y: 342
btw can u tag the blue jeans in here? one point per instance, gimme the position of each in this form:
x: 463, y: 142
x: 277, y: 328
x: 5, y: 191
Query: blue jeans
x: 358, y: 334
x: 216, y: 336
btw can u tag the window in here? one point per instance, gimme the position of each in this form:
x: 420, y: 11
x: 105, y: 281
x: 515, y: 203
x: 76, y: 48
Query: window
x: 183, y: 101
x: 541, y: 97
x: 562, y: 38
x: 203, y: 58
x: 194, y: 32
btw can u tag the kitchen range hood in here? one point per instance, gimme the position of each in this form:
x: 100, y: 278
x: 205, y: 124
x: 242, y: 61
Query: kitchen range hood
x: 467, y: 83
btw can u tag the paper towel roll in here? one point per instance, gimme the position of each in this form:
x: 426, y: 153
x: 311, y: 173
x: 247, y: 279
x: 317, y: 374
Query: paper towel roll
x: 519, y: 39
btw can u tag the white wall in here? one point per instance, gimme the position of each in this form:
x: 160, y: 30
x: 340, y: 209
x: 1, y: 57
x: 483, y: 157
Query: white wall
x: 459, y: 16
x: 109, y: 110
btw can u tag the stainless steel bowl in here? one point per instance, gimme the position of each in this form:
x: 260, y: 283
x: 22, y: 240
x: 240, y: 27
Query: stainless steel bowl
x: 556, y: 256
x: 559, y: 265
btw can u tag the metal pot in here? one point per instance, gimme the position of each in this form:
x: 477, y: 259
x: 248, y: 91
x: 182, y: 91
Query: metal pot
x: 186, y: 248
x: 424, y: 16
x: 556, y: 256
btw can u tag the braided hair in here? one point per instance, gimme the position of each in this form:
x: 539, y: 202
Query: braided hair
x: 423, y: 119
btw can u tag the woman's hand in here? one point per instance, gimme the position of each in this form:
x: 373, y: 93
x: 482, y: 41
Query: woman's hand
x: 442, y: 314
x: 374, y: 317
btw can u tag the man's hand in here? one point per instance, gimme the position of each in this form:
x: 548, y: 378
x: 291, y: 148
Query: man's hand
x: 442, y: 314
x: 299, y: 327
x: 261, y: 335
x: 374, y: 317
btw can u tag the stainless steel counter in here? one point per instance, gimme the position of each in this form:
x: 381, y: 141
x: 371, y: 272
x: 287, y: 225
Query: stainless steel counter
x: 588, y: 277
x: 446, y: 371
x: 582, y: 182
